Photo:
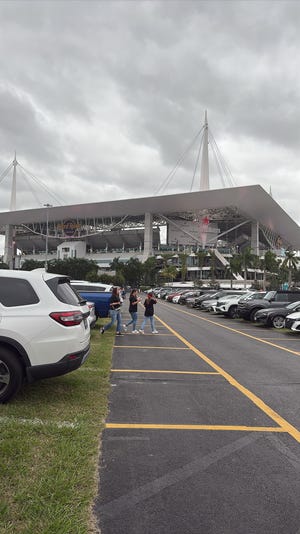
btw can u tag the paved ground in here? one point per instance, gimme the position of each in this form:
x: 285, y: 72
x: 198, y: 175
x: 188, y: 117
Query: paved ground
x: 203, y: 430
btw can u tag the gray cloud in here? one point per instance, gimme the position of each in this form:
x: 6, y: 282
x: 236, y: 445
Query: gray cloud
x: 100, y: 99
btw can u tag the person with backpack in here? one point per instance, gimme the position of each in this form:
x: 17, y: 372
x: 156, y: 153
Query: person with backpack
x: 149, y: 313
x: 133, y: 304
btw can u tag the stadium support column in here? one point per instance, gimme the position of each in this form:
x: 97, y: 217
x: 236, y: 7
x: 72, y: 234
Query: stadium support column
x: 255, y: 237
x: 10, y: 232
x: 9, y: 246
x: 148, y: 235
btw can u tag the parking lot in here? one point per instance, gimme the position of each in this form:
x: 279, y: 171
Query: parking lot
x: 203, y: 429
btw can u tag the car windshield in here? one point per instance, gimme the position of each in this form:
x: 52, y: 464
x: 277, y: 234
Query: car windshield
x: 254, y: 296
x: 270, y: 295
x: 293, y: 305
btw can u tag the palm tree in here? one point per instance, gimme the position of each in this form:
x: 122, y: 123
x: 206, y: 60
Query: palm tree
x: 235, y: 266
x: 290, y: 263
x: 183, y: 265
x: 201, y: 255
x: 169, y: 272
x: 247, y: 262
x: 213, y: 261
x: 269, y: 264
x: 256, y: 264
x: 116, y: 265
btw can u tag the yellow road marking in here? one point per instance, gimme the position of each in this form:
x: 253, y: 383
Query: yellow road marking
x: 287, y: 427
x: 283, y: 339
x: 238, y: 332
x: 164, y: 371
x: 196, y: 427
x: 148, y: 347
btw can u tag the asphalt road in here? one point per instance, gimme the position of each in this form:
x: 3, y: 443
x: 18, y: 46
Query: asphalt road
x: 203, y: 433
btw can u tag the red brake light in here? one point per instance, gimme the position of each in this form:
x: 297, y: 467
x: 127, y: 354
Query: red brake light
x: 69, y: 318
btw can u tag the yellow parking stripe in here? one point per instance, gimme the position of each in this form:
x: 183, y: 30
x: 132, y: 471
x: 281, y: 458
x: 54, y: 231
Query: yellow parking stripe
x: 237, y: 332
x: 164, y: 371
x: 287, y: 427
x: 148, y: 347
x: 196, y: 427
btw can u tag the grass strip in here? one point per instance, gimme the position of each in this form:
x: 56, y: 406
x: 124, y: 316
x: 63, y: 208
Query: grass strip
x: 49, y: 448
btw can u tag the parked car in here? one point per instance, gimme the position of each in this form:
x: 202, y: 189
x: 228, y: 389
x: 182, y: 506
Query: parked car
x: 155, y: 291
x: 95, y: 294
x: 179, y: 295
x: 173, y: 294
x: 272, y: 299
x: 44, y: 328
x: 207, y: 296
x: 164, y: 292
x: 82, y: 285
x: 209, y: 305
x: 214, y: 297
x: 228, y: 305
x: 92, y: 317
x: 189, y: 294
x: 292, y: 321
x: 194, y: 302
x: 276, y: 316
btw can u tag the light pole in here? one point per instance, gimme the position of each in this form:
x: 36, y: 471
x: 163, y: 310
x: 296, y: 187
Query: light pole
x: 47, y: 206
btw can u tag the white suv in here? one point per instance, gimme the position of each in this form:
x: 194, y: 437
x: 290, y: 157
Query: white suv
x: 228, y: 305
x: 44, y: 328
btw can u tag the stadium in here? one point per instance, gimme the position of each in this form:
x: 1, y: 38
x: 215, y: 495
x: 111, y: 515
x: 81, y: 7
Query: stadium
x: 225, y: 220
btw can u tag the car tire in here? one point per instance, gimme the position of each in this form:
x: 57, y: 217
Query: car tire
x: 11, y: 374
x: 233, y: 312
x: 278, y: 321
x: 252, y: 314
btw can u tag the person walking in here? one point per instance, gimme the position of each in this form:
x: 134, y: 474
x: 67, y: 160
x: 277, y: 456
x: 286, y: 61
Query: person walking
x: 133, y: 303
x: 149, y: 313
x: 114, y: 312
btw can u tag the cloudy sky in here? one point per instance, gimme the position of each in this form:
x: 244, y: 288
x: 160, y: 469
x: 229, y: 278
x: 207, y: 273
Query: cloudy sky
x: 101, y: 98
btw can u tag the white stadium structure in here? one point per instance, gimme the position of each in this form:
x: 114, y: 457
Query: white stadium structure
x: 225, y: 220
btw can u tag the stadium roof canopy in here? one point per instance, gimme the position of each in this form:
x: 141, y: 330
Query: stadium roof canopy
x: 252, y: 202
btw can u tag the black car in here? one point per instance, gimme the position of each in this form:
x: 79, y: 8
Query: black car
x: 276, y: 316
x: 273, y: 299
x: 189, y: 294
x: 198, y: 300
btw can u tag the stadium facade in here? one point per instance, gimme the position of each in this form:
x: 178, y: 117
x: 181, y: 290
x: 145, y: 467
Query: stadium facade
x: 225, y: 220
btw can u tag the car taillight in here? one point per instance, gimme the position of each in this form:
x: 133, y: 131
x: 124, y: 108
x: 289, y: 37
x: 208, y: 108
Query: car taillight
x: 69, y: 318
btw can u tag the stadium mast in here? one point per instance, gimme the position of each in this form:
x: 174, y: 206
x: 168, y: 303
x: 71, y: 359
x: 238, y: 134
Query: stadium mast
x: 204, y: 175
x: 13, y: 196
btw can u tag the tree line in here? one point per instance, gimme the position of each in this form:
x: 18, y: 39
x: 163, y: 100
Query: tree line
x: 167, y: 268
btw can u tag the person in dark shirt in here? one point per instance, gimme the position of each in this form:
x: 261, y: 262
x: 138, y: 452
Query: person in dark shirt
x: 133, y: 304
x: 149, y: 313
x: 114, y: 312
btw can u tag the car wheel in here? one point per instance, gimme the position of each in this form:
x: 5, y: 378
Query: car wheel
x: 233, y: 312
x: 278, y: 321
x: 252, y: 314
x: 11, y: 374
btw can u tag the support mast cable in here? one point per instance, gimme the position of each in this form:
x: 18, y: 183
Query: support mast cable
x: 39, y: 182
x: 219, y: 168
x: 179, y: 161
x: 222, y: 160
x: 196, y: 164
x: 5, y: 172
x: 31, y: 189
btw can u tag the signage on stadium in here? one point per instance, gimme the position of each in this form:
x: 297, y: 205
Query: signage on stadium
x: 69, y: 227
